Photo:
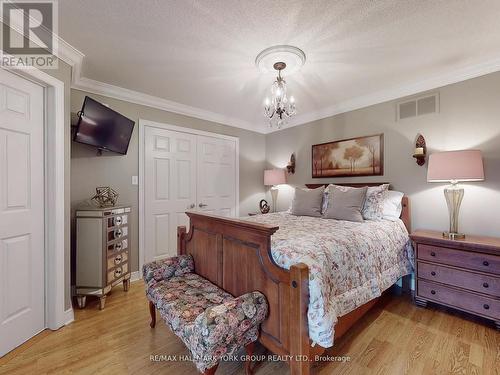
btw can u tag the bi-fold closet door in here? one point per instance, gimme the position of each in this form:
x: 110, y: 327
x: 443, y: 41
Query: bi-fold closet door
x: 184, y: 171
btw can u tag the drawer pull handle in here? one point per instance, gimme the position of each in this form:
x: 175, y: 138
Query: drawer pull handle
x: 433, y: 254
x: 486, y: 306
x: 433, y: 273
x: 433, y: 292
x: 118, y: 259
x: 486, y: 263
x: 118, y: 233
x: 485, y: 285
x: 118, y: 273
x: 118, y: 246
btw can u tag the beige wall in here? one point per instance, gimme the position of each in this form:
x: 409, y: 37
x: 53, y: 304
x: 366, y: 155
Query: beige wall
x: 469, y: 119
x: 89, y: 171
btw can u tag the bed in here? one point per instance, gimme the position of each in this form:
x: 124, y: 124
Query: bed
x: 286, y: 257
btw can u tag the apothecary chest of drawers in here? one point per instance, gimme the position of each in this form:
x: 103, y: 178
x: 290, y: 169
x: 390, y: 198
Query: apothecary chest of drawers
x: 102, y: 252
x: 462, y: 274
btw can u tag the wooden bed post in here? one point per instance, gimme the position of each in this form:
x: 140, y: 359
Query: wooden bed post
x: 181, y: 240
x: 299, y: 329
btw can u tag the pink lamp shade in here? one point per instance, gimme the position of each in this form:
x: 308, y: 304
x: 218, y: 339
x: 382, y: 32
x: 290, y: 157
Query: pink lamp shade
x: 274, y: 177
x: 465, y: 165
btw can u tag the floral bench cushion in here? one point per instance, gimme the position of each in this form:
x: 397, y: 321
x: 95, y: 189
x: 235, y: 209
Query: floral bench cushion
x: 211, y: 322
x: 180, y: 299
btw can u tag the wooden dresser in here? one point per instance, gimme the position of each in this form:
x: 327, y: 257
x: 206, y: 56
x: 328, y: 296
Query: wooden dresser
x: 102, y: 252
x: 462, y: 274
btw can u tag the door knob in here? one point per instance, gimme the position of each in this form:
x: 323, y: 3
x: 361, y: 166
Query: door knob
x: 192, y: 205
x: 201, y: 205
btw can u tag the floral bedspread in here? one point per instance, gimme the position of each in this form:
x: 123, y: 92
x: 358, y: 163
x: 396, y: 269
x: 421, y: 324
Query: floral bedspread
x: 349, y: 263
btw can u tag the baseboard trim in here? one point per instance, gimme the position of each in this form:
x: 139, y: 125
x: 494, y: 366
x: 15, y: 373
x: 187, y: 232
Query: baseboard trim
x: 135, y: 276
x: 69, y: 316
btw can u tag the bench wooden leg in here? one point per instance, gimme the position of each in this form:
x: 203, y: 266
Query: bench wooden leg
x: 152, y: 311
x: 211, y: 370
x: 248, y: 364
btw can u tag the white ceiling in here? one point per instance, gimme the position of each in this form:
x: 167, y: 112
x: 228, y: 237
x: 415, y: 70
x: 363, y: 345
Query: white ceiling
x: 201, y: 53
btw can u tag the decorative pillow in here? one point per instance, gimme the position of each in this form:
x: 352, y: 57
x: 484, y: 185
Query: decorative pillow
x: 324, y: 204
x: 345, y: 204
x: 374, y: 203
x: 307, y: 202
x: 393, y: 205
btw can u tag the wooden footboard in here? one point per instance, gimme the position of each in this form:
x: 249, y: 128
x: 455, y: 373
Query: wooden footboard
x: 236, y: 256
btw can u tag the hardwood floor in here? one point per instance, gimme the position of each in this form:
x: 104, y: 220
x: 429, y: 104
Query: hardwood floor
x: 395, y: 338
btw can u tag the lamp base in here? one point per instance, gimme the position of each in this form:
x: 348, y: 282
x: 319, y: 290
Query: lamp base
x: 274, y: 196
x: 454, y: 236
x: 454, y: 195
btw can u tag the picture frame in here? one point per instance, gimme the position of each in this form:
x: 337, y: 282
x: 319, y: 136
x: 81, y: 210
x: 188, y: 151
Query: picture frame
x: 352, y: 157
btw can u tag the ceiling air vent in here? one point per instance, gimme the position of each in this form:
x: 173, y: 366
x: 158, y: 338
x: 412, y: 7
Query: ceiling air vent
x: 422, y: 105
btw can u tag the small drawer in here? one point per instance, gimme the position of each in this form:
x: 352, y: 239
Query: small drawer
x: 460, y: 278
x: 460, y: 299
x: 474, y: 261
x: 117, y: 233
x: 117, y: 273
x: 117, y: 246
x: 117, y: 221
x: 117, y: 259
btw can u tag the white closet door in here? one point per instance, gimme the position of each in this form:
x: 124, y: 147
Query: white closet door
x: 216, y: 186
x: 21, y: 211
x: 169, y: 188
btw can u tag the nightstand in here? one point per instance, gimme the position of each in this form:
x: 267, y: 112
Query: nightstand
x: 462, y: 274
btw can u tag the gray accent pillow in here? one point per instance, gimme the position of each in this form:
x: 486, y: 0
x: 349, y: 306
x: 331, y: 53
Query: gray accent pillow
x: 307, y: 202
x: 345, y: 204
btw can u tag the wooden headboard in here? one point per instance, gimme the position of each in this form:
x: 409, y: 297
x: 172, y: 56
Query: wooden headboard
x: 405, y: 213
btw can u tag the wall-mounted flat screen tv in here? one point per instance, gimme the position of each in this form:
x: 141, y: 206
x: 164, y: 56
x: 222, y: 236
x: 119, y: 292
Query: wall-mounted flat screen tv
x: 101, y: 127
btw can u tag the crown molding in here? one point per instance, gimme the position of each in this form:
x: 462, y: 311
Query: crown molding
x: 120, y: 93
x: 412, y: 88
x: 75, y: 58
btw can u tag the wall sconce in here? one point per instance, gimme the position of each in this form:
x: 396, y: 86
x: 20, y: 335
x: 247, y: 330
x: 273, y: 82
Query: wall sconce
x: 291, y: 165
x: 420, y: 150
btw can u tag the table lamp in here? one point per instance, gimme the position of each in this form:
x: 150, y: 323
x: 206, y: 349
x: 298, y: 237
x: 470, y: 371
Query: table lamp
x: 273, y: 177
x: 455, y: 167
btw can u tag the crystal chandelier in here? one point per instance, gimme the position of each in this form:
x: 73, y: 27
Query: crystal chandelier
x: 279, y: 108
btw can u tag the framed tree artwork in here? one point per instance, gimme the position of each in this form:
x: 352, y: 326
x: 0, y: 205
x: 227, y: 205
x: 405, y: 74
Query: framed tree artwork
x: 362, y: 156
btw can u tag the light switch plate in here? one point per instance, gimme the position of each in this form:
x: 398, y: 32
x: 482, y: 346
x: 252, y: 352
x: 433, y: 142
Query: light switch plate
x: 135, y: 180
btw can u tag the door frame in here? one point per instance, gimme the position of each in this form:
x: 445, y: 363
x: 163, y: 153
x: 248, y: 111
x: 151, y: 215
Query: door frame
x: 56, y: 315
x: 147, y: 123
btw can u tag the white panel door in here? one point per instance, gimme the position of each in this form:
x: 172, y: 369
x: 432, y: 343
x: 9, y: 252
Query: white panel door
x: 21, y: 211
x: 169, y: 188
x: 216, y: 186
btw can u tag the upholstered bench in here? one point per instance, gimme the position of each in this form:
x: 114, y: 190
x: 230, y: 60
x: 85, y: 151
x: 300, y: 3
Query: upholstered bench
x: 211, y: 322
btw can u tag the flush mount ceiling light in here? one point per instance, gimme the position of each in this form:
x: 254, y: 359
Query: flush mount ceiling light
x: 280, y: 108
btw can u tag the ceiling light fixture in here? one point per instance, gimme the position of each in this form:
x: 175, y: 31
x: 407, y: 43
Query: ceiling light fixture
x: 280, y: 108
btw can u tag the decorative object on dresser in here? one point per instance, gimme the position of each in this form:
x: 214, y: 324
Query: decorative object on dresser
x: 420, y: 150
x: 273, y: 177
x: 361, y: 156
x: 454, y: 167
x: 105, y: 196
x: 462, y: 274
x: 264, y: 206
x: 291, y: 165
x: 102, y: 252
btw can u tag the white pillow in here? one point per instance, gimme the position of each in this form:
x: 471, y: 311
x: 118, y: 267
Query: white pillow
x: 393, y: 205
